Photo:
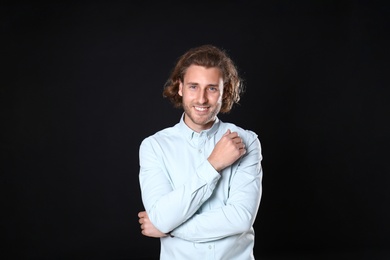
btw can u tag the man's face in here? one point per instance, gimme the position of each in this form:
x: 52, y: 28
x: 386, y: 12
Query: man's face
x: 201, y: 90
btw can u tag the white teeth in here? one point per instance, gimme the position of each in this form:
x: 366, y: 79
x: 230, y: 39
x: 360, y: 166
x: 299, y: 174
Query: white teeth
x: 201, y: 108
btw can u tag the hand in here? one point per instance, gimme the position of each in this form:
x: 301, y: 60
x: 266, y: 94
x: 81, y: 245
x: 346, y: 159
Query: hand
x: 148, y: 229
x: 228, y: 150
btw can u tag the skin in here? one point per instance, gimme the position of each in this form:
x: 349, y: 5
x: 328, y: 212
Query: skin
x: 202, y: 90
x: 147, y: 228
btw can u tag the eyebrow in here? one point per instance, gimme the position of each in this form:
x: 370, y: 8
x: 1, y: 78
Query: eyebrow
x: 209, y: 85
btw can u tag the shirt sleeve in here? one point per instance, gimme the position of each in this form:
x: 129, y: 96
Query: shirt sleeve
x: 240, y: 210
x: 168, y: 208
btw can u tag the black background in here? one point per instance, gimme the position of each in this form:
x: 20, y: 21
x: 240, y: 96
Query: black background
x: 81, y: 86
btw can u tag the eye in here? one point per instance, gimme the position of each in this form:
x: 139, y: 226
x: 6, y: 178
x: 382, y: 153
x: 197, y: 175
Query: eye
x: 192, y: 86
x: 213, y: 89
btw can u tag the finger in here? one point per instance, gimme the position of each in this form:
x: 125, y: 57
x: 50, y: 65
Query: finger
x: 141, y: 214
x: 233, y: 135
x: 227, y: 132
x: 239, y: 144
x: 238, y: 140
x: 145, y: 233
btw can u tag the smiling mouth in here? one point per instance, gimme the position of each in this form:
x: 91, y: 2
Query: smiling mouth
x: 201, y: 109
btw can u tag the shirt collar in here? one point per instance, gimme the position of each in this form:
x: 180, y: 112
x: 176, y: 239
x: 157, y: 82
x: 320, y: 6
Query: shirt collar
x: 189, y: 133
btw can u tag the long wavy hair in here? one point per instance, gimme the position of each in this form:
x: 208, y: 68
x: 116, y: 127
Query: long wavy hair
x: 207, y: 56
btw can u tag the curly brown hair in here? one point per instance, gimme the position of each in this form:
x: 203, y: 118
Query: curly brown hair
x: 207, y: 56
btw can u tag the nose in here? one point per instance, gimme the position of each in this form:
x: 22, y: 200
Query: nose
x: 202, y: 97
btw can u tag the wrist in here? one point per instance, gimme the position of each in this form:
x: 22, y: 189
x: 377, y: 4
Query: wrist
x: 215, y: 165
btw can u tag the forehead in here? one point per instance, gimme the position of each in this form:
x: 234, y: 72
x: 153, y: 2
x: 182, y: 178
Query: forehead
x: 195, y: 73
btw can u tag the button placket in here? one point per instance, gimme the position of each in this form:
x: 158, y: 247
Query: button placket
x: 201, y: 142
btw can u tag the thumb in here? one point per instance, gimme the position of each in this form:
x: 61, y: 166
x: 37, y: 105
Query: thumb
x: 227, y: 132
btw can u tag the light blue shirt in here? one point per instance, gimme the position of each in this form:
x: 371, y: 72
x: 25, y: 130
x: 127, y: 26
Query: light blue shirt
x: 210, y: 214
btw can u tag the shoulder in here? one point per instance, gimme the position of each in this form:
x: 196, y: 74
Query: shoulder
x: 165, y: 135
x: 249, y: 138
x: 247, y: 135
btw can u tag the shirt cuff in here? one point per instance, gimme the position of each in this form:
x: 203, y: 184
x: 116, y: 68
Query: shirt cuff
x: 207, y: 172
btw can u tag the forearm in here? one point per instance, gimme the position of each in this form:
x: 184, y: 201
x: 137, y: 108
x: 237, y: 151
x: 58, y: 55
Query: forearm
x: 167, y: 207
x: 234, y: 218
x: 238, y: 213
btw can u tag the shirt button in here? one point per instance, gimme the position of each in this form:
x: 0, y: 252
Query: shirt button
x: 210, y: 247
x: 200, y: 151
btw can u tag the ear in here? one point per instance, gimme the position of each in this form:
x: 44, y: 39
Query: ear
x: 180, y: 92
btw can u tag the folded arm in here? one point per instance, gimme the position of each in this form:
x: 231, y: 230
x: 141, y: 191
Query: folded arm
x: 166, y: 207
x: 240, y: 210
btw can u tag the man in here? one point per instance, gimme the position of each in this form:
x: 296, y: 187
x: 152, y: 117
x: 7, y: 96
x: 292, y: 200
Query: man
x: 201, y: 179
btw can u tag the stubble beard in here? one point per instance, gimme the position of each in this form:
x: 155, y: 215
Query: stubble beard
x: 201, y: 120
